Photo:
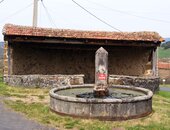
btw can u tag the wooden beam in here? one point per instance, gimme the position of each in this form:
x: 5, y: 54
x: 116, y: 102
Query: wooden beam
x: 78, y: 46
x: 101, y: 42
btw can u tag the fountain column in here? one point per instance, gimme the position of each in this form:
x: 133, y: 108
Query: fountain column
x: 101, y: 73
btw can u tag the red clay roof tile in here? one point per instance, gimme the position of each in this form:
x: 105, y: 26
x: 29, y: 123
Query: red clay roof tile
x: 10, y: 29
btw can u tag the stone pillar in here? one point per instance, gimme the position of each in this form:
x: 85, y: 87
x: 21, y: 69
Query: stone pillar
x: 8, y: 60
x: 154, y: 63
x: 5, y: 58
x: 101, y: 73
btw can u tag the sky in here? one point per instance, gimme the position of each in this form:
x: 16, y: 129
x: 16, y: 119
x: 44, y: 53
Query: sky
x: 108, y: 15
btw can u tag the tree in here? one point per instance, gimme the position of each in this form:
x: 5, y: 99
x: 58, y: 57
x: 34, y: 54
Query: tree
x: 166, y: 45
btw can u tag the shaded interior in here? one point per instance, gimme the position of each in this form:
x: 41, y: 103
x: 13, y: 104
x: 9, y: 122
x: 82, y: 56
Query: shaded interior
x: 50, y: 59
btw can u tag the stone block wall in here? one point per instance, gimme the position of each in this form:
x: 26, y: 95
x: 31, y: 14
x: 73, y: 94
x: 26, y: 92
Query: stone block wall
x: 151, y: 83
x: 44, y: 80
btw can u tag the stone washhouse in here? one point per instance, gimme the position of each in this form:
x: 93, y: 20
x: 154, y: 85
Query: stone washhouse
x: 48, y: 57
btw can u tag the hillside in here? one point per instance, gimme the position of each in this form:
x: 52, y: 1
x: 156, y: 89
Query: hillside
x: 163, y: 53
x: 164, y: 50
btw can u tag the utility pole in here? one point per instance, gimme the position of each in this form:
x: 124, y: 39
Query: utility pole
x: 35, y: 13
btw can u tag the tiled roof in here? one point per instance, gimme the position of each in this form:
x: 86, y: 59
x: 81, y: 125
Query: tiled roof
x: 10, y: 29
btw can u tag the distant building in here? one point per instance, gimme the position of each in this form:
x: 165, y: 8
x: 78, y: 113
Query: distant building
x: 42, y: 55
x: 164, y: 71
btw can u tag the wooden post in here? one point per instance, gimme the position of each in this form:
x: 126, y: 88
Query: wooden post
x: 101, y: 73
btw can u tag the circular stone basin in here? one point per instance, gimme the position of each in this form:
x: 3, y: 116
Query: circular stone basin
x: 123, y: 102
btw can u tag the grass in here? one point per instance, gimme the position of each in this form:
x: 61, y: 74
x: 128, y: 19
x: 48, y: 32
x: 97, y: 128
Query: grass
x: 163, y: 53
x: 34, y: 103
x: 164, y: 94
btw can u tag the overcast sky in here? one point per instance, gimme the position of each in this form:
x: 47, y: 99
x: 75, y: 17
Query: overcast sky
x: 124, y: 15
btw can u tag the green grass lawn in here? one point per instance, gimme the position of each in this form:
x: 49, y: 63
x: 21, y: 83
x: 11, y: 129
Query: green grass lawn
x: 163, y: 53
x: 165, y: 85
x: 34, y: 103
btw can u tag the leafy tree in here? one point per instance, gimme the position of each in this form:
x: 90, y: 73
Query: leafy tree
x: 166, y: 45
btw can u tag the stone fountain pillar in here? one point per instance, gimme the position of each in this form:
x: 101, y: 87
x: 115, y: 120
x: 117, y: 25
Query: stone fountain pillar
x: 101, y: 73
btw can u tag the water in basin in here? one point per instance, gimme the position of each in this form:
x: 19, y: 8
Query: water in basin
x: 115, y: 93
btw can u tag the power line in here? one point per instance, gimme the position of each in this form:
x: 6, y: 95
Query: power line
x: 126, y: 13
x: 54, y: 11
x: 17, y: 12
x: 48, y: 14
x: 101, y: 20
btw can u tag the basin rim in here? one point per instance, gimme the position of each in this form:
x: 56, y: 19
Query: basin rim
x: 148, y: 95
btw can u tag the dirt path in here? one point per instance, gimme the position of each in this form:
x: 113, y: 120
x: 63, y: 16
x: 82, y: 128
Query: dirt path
x: 10, y: 120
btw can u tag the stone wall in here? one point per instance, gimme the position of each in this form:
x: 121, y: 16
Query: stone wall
x: 151, y: 83
x: 44, y: 80
x: 164, y: 75
x: 52, y: 59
